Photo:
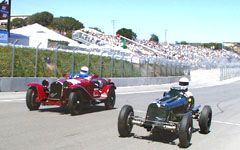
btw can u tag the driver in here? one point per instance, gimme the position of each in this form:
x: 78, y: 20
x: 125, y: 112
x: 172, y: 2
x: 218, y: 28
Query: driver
x: 184, y: 83
x: 84, y: 72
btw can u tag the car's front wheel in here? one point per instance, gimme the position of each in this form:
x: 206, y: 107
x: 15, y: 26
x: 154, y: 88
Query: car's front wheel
x: 125, y: 121
x: 205, y: 119
x: 31, y: 98
x: 74, y: 103
x: 185, y: 130
x: 110, y: 102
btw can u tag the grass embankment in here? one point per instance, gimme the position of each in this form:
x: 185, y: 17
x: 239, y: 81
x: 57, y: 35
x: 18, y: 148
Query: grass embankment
x: 25, y: 63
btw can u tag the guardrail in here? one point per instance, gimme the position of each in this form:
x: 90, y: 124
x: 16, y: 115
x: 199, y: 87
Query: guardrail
x: 8, y: 84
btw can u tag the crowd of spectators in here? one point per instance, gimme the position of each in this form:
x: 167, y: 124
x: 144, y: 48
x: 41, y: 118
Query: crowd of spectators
x: 184, y: 53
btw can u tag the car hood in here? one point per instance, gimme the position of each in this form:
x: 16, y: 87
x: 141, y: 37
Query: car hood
x: 75, y: 81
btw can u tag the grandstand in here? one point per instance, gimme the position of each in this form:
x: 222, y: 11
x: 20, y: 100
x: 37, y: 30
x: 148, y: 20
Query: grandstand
x: 196, y: 56
x: 98, y: 43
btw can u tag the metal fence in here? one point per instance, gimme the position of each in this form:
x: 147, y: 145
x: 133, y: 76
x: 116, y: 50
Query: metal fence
x: 55, y: 62
x: 228, y: 71
x: 104, y: 63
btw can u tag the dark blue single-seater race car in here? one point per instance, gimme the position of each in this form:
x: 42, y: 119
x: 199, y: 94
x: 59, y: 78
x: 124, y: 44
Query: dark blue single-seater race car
x: 173, y: 112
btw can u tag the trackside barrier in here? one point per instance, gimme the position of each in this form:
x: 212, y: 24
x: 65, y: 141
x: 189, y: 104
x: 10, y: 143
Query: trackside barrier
x: 229, y: 71
x: 8, y: 84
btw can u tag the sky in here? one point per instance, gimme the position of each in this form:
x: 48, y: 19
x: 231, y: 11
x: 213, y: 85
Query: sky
x: 201, y: 21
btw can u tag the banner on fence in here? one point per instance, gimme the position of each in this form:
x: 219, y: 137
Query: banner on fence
x: 3, y: 36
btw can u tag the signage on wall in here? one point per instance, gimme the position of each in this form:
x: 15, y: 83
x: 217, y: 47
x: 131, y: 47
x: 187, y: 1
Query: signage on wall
x: 4, y: 10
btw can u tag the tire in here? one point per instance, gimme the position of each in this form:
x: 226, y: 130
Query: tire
x: 205, y: 119
x: 31, y: 97
x: 74, y: 103
x: 111, y: 99
x: 185, y: 130
x: 124, y: 121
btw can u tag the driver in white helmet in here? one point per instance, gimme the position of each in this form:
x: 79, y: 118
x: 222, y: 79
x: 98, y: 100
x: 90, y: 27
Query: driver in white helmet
x: 84, y: 72
x: 184, y: 83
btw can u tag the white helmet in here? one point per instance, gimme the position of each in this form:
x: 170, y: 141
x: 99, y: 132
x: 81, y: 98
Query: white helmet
x: 183, y: 81
x: 84, y: 70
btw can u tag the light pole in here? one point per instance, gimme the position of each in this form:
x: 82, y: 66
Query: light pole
x: 9, y: 17
x: 113, y: 22
x: 166, y: 35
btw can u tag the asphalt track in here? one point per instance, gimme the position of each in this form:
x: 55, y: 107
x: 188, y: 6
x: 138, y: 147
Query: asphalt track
x: 52, y: 128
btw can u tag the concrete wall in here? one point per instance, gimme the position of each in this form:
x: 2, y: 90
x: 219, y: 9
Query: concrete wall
x: 19, y: 83
x: 8, y: 84
x: 144, y: 81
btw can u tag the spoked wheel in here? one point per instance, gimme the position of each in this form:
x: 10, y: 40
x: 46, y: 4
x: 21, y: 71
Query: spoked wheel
x: 185, y: 130
x: 125, y: 121
x: 31, y: 98
x: 74, y: 103
x: 205, y: 119
x: 110, y: 102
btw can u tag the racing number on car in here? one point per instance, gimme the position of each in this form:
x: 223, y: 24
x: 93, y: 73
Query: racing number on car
x: 96, y: 92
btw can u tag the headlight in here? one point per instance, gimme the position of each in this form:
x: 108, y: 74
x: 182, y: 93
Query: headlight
x: 45, y: 83
x: 65, y: 84
x: 189, y: 100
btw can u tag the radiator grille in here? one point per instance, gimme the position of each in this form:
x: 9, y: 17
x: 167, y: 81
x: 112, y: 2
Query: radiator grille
x: 55, y: 90
x: 156, y: 113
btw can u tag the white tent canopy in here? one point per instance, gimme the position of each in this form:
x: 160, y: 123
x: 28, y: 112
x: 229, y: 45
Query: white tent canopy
x: 38, y: 33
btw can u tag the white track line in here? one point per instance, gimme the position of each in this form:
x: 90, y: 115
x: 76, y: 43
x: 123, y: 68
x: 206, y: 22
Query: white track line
x: 12, y: 100
x: 227, y: 123
x: 152, y: 91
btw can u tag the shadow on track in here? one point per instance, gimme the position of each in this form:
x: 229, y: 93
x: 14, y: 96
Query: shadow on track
x: 165, y: 137
x: 85, y: 110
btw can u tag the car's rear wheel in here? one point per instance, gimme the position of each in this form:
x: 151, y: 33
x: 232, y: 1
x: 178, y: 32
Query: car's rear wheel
x: 110, y: 102
x: 185, y: 130
x: 205, y: 119
x: 31, y: 98
x: 75, y: 103
x: 125, y: 121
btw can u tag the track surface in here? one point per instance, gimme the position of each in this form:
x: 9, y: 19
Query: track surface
x: 53, y: 128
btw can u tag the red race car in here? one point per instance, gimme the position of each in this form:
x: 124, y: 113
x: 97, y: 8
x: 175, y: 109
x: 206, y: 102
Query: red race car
x: 72, y: 92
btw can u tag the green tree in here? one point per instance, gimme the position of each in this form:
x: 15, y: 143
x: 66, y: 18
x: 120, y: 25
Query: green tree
x: 183, y: 43
x: 18, y: 22
x: 154, y: 38
x: 213, y: 45
x: 128, y: 33
x: 66, y: 24
x: 44, y: 18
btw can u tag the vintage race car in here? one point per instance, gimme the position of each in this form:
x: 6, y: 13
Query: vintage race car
x: 73, y: 93
x: 173, y: 112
